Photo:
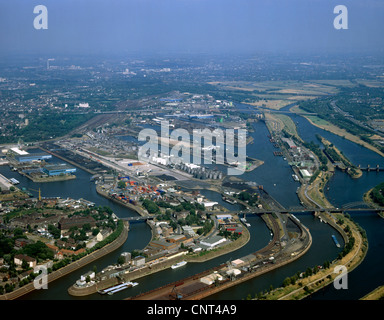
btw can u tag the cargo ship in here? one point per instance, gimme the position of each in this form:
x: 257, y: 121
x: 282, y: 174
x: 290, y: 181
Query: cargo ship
x: 111, y: 290
x: 179, y: 264
x: 335, y: 240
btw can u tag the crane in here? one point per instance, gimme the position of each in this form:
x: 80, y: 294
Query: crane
x: 175, y: 294
x: 39, y: 191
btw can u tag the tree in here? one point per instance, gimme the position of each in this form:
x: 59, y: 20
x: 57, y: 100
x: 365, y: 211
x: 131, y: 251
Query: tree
x: 120, y: 260
x: 24, y: 265
x: 54, y: 231
x: 286, y: 282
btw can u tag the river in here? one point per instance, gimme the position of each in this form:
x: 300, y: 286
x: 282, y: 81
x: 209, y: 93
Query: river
x: 276, y: 177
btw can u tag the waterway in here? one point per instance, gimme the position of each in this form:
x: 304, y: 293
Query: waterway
x: 276, y: 177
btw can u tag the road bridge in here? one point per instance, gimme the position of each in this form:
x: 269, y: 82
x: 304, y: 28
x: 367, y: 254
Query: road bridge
x: 302, y: 210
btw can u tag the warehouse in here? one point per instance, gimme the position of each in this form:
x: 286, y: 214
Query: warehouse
x: 33, y: 157
x: 55, y: 170
x: 212, y: 242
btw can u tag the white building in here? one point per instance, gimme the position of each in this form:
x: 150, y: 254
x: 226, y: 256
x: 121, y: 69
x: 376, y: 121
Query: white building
x: 213, y: 241
x: 210, y: 279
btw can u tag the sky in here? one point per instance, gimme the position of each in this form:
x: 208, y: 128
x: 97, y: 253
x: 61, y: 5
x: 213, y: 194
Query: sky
x: 190, y: 26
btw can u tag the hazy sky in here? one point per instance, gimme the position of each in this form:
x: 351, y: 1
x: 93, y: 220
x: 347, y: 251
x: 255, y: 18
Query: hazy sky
x: 209, y: 26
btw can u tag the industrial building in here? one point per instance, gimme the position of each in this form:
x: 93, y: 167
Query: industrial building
x: 55, y: 170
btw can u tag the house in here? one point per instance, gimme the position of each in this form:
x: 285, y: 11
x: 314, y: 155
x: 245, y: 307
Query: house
x: 102, y: 235
x: 19, y: 258
x: 21, y: 242
x: 24, y: 275
x: 75, y: 221
x: 54, y: 248
x: 138, y: 261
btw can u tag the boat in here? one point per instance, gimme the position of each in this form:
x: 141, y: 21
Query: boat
x: 229, y: 200
x: 335, y: 240
x: 122, y: 286
x: 14, y: 181
x: 179, y: 264
x: 295, y: 177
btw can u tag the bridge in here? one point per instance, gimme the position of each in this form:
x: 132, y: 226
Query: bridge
x: 349, y: 207
x: 357, y: 206
x: 137, y: 219
x: 369, y: 168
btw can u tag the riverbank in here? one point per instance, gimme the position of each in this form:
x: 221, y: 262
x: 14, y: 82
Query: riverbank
x: 304, y: 287
x: 337, y: 156
x: 118, y: 242
x: 335, y: 130
x: 160, y: 266
x: 377, y: 294
x: 372, y: 204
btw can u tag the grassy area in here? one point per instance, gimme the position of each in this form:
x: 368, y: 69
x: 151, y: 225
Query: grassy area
x: 337, y: 155
x: 318, y: 121
x: 272, y: 103
x: 377, y: 294
x: 280, y: 122
x: 316, y: 190
x: 325, y: 125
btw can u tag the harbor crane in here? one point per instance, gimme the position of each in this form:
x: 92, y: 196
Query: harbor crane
x: 175, y: 294
x: 39, y: 191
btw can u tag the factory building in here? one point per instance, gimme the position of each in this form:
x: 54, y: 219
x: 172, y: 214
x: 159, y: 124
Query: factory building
x: 55, y: 170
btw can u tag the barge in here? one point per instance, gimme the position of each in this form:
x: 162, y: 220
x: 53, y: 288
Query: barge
x: 111, y: 290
